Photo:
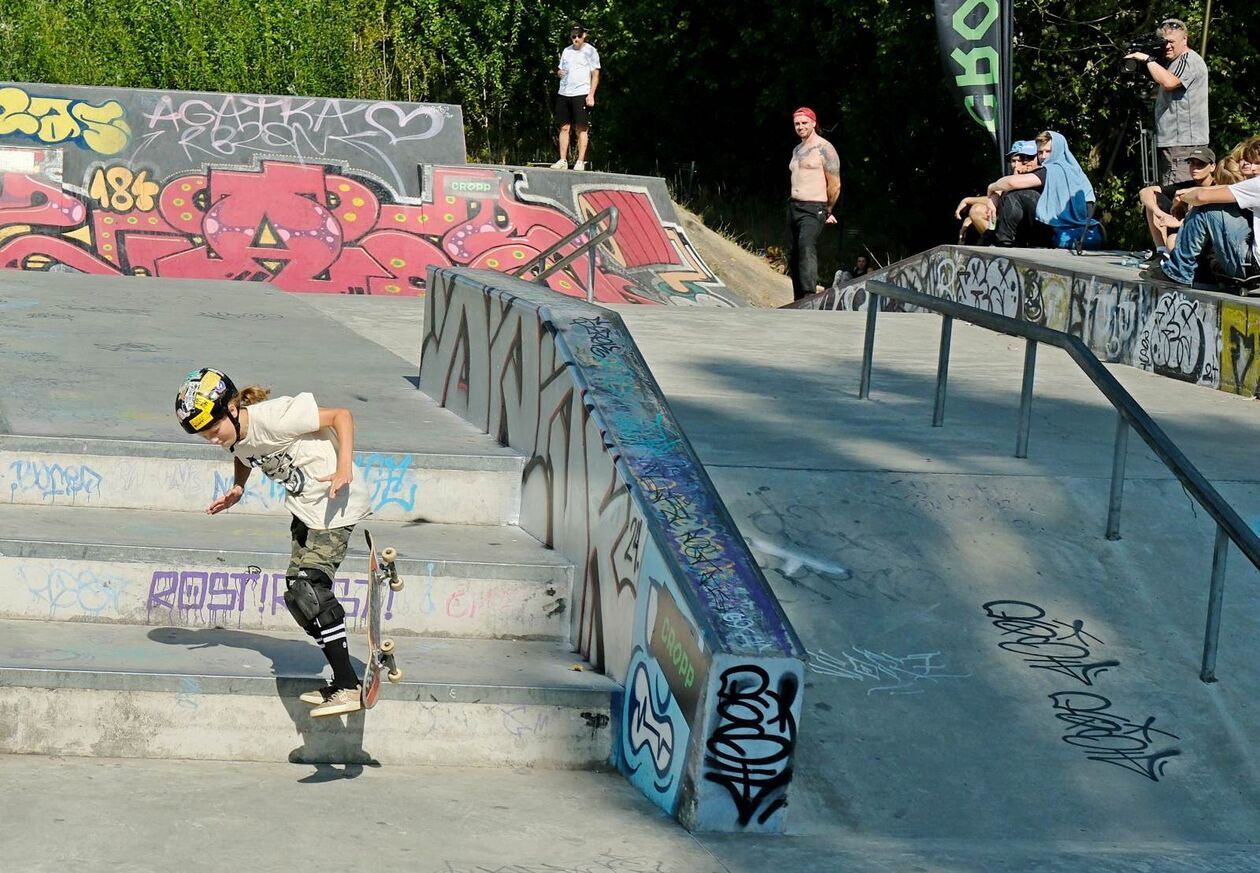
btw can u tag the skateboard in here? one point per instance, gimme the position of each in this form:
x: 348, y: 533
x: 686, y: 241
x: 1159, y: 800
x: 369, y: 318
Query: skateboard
x: 381, y: 571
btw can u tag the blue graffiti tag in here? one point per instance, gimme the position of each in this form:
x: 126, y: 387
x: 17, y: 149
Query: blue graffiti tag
x: 387, y: 474
x: 50, y: 480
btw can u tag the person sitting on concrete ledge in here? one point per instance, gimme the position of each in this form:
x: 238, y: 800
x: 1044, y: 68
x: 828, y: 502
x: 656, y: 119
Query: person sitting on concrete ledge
x: 1242, y: 162
x: 1005, y: 215
x: 1224, y: 218
x: 1066, y: 204
x: 1047, y: 201
x: 1163, y: 218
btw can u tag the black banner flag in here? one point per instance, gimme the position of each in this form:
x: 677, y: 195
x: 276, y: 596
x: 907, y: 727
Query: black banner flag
x: 976, y: 51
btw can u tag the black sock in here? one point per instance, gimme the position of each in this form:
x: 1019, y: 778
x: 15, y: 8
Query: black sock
x: 338, y: 655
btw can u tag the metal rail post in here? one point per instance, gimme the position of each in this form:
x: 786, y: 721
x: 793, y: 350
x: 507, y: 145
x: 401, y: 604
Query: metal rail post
x: 1025, y: 399
x: 1118, y: 456
x: 1215, y: 597
x: 868, y: 346
x: 942, y: 371
x: 590, y: 274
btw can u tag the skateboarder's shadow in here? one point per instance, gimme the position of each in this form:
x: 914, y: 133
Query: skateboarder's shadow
x: 296, y: 666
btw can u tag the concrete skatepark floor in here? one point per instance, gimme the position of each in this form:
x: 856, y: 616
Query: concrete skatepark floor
x: 925, y: 745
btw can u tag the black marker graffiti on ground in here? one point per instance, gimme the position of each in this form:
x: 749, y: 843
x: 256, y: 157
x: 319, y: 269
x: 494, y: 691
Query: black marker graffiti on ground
x: 1046, y: 644
x: 1064, y: 648
x: 1112, y: 738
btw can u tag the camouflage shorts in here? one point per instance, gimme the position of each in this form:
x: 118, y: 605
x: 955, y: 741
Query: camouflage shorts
x: 318, y: 549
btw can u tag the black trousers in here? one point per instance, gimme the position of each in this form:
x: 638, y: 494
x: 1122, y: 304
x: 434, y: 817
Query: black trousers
x: 805, y: 223
x: 1017, y: 223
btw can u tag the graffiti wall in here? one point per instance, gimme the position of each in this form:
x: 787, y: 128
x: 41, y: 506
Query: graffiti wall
x: 1192, y: 336
x: 670, y: 602
x: 309, y: 195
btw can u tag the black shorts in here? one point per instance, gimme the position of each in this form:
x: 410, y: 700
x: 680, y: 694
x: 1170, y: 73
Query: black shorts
x: 571, y: 110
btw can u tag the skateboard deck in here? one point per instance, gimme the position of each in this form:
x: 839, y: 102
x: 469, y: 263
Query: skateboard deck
x: 380, y: 659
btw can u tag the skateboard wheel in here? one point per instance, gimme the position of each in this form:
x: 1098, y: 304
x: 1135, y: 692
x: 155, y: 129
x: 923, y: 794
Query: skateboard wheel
x: 388, y: 555
x: 387, y: 646
x: 395, y: 675
x: 395, y: 584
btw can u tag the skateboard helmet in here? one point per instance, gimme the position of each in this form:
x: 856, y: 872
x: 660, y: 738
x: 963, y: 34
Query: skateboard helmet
x: 203, y: 399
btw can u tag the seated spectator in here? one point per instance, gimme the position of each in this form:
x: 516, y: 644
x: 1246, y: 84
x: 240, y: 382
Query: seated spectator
x: 1223, y: 218
x: 860, y: 268
x: 1066, y: 204
x: 1243, y: 161
x: 1228, y: 171
x: 1005, y: 214
x: 1048, y: 200
x: 1162, y: 217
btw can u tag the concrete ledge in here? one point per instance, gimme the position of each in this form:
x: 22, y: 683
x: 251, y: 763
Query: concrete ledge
x: 1203, y: 337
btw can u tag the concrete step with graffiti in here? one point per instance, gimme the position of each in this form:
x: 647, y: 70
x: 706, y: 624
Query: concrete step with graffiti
x: 101, y: 690
x: 468, y: 487
x: 188, y: 569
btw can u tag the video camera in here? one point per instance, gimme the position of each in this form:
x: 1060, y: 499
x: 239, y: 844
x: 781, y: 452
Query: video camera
x: 1153, y: 44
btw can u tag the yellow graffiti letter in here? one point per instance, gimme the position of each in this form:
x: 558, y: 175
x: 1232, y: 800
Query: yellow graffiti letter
x: 105, y: 130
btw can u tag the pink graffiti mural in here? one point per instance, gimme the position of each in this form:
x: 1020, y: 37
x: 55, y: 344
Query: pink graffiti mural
x: 312, y: 229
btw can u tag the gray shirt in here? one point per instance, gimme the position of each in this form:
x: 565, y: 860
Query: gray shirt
x: 1181, y: 115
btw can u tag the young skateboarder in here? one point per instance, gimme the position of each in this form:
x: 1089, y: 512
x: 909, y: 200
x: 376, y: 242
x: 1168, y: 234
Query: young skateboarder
x: 309, y: 450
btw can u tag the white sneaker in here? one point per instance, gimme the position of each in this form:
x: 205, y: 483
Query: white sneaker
x: 340, y: 702
x: 579, y: 165
x: 316, y: 696
x: 561, y: 164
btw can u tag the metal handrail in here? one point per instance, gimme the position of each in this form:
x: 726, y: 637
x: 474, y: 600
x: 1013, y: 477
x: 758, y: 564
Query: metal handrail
x: 539, y: 264
x: 1229, y: 525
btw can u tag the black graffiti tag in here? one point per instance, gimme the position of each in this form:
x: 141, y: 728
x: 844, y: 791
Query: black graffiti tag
x: 1046, y: 644
x: 750, y: 751
x: 1112, y: 738
x: 601, y: 334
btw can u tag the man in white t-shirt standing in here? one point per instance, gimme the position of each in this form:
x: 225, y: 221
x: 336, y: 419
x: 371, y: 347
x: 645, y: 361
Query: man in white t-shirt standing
x: 1228, y: 217
x: 579, y: 79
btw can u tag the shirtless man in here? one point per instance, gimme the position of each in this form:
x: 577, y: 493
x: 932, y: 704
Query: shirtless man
x: 815, y: 171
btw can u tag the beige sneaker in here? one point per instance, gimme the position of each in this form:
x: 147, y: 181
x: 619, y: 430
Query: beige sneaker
x: 316, y: 696
x: 561, y: 164
x: 339, y: 702
x: 579, y: 165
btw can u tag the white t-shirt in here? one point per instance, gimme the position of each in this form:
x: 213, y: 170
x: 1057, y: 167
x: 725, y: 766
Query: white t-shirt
x: 285, y: 441
x: 577, y: 66
x: 1247, y: 194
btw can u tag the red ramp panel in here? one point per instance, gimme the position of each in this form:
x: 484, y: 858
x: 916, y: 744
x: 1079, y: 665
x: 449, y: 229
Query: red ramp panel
x: 640, y: 240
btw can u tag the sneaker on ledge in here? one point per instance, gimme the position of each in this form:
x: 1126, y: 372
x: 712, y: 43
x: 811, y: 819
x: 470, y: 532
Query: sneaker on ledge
x: 561, y: 164
x: 316, y: 696
x: 339, y: 702
x: 579, y: 165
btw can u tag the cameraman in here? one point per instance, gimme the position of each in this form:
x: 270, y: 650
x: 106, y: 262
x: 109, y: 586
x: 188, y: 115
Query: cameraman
x: 1181, y: 108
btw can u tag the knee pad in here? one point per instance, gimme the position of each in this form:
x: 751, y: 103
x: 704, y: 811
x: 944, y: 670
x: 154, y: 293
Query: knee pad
x: 310, y: 599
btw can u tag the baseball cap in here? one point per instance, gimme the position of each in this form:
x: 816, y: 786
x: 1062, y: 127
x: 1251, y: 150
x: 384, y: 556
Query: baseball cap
x: 1202, y: 153
x: 1026, y: 147
x: 807, y: 112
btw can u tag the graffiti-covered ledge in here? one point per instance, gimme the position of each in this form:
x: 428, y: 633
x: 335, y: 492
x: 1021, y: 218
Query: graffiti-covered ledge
x: 317, y: 195
x: 671, y: 602
x: 1202, y: 337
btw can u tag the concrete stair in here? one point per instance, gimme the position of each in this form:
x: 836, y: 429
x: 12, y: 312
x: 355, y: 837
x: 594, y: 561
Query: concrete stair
x: 453, y: 486
x: 134, y: 625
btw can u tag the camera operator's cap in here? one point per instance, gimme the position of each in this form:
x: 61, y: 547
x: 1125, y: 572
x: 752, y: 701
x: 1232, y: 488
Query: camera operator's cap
x: 1025, y: 147
x: 1202, y: 153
